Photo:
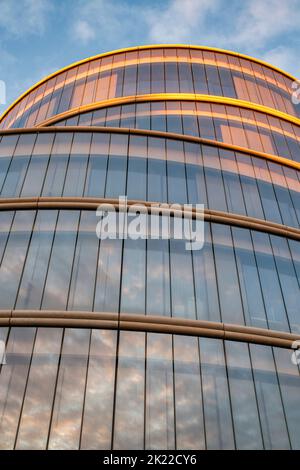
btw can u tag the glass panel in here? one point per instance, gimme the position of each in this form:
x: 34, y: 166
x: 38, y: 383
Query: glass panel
x: 229, y: 292
x: 60, y: 265
x: 14, y: 257
x: 188, y: 396
x: 76, y: 172
x: 7, y: 147
x: 37, y: 167
x: 137, y: 168
x: 133, y: 276
x: 216, y: 400
x: 81, y: 295
x: 36, y: 265
x: 243, y: 398
x: 159, y: 393
x: 97, y: 166
x: 117, y: 165
x: 18, y: 166
x: 13, y: 383
x: 56, y: 171
x: 289, y: 380
x: 157, y: 176
x: 130, y: 399
x: 158, y: 278
x: 272, y: 294
x: 37, y: 407
x: 206, y: 291
x: 182, y: 285
x: 107, y: 291
x: 99, y: 396
x: 253, y: 301
x: 269, y: 400
x: 70, y: 388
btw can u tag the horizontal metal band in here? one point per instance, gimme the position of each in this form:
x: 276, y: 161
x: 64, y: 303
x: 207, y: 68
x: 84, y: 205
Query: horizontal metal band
x: 138, y: 48
x: 172, y: 97
x: 149, y: 133
x: 152, y: 323
x: 84, y: 203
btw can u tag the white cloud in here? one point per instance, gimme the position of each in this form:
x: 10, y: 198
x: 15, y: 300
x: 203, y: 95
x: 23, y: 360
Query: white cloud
x: 179, y: 21
x: 83, y: 31
x: 24, y: 16
x: 260, y: 21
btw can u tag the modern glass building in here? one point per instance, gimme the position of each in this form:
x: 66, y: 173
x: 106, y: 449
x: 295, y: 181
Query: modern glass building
x: 132, y: 344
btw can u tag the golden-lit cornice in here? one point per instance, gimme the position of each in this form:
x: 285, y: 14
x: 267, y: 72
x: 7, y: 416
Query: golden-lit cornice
x: 166, y: 135
x: 138, y: 48
x: 86, y: 203
x: 147, y: 323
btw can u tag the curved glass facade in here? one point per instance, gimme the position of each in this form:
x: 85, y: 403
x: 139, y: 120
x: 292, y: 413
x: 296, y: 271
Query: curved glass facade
x: 143, y: 343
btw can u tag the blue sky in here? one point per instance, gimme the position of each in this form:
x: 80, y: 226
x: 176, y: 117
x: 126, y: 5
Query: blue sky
x: 38, y: 37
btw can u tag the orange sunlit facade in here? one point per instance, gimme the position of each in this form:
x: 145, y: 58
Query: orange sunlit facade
x: 143, y: 344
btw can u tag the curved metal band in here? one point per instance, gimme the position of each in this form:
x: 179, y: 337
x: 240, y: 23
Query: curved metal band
x: 151, y: 323
x: 173, y: 97
x: 83, y: 203
x: 138, y: 48
x: 165, y: 135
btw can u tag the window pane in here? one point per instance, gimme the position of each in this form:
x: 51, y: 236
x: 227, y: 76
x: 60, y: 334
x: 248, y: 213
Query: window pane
x: 159, y: 393
x: 130, y: 399
x: 98, y: 407
x: 69, y: 393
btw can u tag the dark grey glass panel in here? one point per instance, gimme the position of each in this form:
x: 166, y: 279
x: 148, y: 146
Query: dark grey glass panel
x: 6, y: 218
x: 14, y: 257
x: 206, y: 291
x: 97, y: 166
x: 55, y: 177
x: 130, y: 398
x: 117, y: 165
x: 99, y: 396
x: 36, y: 265
x: 271, y: 289
x: 107, y: 291
x: 17, y: 169
x: 253, y: 301
x: 271, y: 412
x: 159, y: 393
x: 188, y: 394
x: 182, y: 283
x: 196, y: 187
x: 133, y: 276
x: 177, y: 192
x: 81, y: 295
x: 243, y: 398
x: 7, y: 147
x: 216, y: 399
x: 70, y: 388
x: 61, y: 260
x: 137, y: 168
x: 157, y: 175
x: 289, y: 380
x: 228, y: 283
x: 77, y: 164
x: 288, y: 280
x: 37, y: 407
x: 13, y: 383
x: 212, y: 170
x: 158, y: 278
x: 37, y: 166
